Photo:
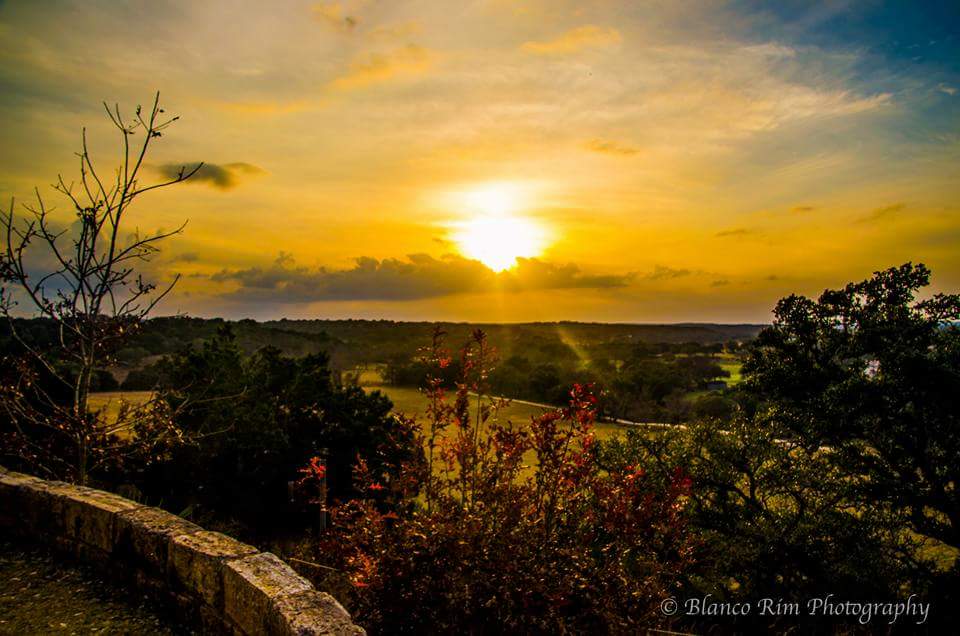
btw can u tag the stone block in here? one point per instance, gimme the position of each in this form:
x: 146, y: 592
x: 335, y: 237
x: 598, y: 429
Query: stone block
x: 310, y: 613
x: 221, y: 584
x: 11, y: 496
x: 38, y: 504
x: 144, y: 535
x: 252, y: 583
x: 89, y: 516
x: 195, y: 562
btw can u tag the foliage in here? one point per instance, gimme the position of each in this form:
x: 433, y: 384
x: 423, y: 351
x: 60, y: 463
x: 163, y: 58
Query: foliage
x: 838, y: 465
x: 169, y: 334
x: 873, y: 374
x: 352, y: 343
x: 86, y: 281
x: 507, y: 528
x: 775, y: 519
x: 256, y: 420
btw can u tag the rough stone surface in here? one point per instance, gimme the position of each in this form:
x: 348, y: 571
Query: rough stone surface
x: 310, y: 613
x: 89, y: 516
x: 252, y: 583
x: 196, y: 562
x: 144, y: 534
x: 11, y: 495
x: 225, y: 585
x: 38, y: 504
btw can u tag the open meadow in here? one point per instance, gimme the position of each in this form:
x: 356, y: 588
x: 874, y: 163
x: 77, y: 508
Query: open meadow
x: 412, y: 402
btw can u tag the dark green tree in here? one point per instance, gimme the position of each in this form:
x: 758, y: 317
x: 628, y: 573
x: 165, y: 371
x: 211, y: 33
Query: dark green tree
x: 256, y: 421
x: 837, y: 471
x: 873, y: 374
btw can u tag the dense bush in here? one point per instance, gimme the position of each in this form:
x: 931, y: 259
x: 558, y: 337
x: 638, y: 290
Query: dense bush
x: 254, y: 421
x: 507, y: 528
x: 773, y: 519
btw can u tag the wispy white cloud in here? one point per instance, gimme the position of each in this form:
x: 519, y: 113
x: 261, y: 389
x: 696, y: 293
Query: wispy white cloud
x: 383, y: 67
x: 576, y: 39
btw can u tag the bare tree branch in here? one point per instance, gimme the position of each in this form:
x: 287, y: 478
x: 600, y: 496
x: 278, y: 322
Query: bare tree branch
x: 95, y: 297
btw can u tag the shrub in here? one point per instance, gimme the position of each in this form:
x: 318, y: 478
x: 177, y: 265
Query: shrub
x: 256, y: 420
x: 502, y: 527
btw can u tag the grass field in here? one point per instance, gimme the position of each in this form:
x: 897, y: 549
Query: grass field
x: 405, y: 400
x: 411, y: 402
x: 108, y: 402
x: 732, y: 365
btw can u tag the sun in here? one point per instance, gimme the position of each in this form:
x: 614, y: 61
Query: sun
x: 497, y: 241
x: 496, y: 234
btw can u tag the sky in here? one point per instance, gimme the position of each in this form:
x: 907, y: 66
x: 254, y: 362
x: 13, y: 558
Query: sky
x: 498, y: 160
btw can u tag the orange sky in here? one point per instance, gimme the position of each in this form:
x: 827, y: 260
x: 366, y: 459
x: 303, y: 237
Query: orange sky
x: 648, y: 161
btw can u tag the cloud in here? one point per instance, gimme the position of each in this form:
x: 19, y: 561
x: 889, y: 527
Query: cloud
x: 804, y: 208
x: 269, y: 106
x: 723, y: 282
x: 771, y: 50
x: 609, y: 147
x: 221, y: 176
x: 381, y: 67
x: 737, y: 231
x: 947, y: 89
x: 398, y: 31
x: 662, y: 272
x: 884, y: 213
x: 334, y: 15
x: 419, y: 276
x: 185, y: 257
x: 587, y: 36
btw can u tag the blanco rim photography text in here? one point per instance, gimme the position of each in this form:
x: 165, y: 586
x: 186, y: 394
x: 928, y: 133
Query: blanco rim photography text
x: 829, y: 606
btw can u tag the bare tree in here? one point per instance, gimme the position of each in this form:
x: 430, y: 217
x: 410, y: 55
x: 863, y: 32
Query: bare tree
x: 93, y: 293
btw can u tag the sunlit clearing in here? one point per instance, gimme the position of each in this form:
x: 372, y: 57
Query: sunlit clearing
x: 497, y: 240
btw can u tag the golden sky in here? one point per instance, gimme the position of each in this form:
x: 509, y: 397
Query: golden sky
x: 618, y: 161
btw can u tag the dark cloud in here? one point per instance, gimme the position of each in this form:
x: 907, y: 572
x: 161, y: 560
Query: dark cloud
x: 720, y: 283
x: 185, y: 257
x: 662, y: 272
x: 737, y: 231
x: 608, y: 147
x: 223, y: 176
x: 884, y: 213
x: 417, y: 277
x: 804, y: 208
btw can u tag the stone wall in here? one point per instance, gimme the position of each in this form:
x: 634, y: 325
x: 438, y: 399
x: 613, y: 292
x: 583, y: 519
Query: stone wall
x: 221, y: 584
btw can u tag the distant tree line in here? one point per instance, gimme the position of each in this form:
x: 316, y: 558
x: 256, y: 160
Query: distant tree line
x: 648, y: 382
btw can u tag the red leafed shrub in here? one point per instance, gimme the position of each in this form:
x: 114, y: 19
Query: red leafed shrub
x: 505, y: 527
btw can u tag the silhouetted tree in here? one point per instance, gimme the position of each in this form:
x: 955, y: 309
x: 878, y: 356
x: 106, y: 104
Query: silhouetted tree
x: 873, y: 374
x: 836, y: 470
x: 87, y: 279
x: 254, y: 421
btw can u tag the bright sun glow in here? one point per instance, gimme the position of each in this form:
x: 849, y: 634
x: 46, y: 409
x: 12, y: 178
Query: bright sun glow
x: 496, y: 235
